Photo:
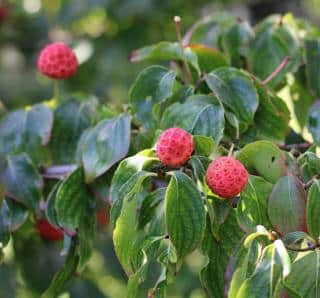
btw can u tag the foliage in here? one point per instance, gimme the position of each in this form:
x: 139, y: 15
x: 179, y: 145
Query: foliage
x: 225, y: 84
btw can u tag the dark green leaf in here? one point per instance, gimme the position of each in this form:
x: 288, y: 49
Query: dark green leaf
x: 252, y: 209
x: 273, y: 265
x: 65, y: 274
x: 235, y: 89
x: 153, y: 85
x: 105, y: 145
x: 165, y: 51
x: 27, y: 131
x: 304, y: 279
x: 21, y: 180
x: 273, y: 42
x: 312, y: 50
x: 51, y: 213
x: 200, y: 114
x: 218, y: 254
x: 184, y: 214
x: 71, y: 119
x: 287, y: 205
x: 5, y: 224
x: 314, y: 121
x: 313, y: 210
x: 18, y: 214
x: 265, y: 159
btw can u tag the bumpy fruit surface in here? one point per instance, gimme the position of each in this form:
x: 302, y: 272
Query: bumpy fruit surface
x: 48, y: 232
x: 174, y: 147
x: 57, y: 61
x: 226, y: 177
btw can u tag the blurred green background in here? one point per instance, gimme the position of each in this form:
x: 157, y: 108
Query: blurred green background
x: 102, y: 33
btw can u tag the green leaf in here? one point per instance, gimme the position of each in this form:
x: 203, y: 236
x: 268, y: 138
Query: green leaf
x: 71, y: 119
x: 73, y: 200
x: 312, y: 53
x: 235, y: 89
x: 272, y: 117
x: 126, y: 176
x: 165, y: 51
x: 265, y: 159
x: 304, y: 279
x: 153, y: 85
x: 199, y: 166
x: 218, y: 254
x: 274, y: 41
x: 208, y: 58
x: 50, y: 211
x: 21, y: 180
x: 18, y: 214
x: 313, y: 209
x: 105, y: 145
x: 314, y: 122
x: 252, y: 209
x: 287, y: 205
x: 273, y: 265
x: 151, y: 204
x: 242, y: 265
x: 27, y: 131
x: 5, y: 224
x: 184, y: 214
x: 203, y: 145
x: 125, y: 233
x: 60, y: 279
x: 200, y: 114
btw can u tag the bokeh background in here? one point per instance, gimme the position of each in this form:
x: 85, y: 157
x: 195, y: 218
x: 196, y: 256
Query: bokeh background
x: 102, y: 33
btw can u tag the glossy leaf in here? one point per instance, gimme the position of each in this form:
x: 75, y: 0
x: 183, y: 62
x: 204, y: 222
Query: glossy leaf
x: 274, y: 41
x: 27, y: 131
x: 313, y: 209
x: 18, y: 214
x: 252, y: 210
x: 235, y: 89
x: 21, y: 180
x: 287, y: 205
x: 200, y: 114
x: 274, y: 264
x: 165, y: 51
x: 203, y: 145
x: 314, y: 121
x: 312, y: 50
x: 50, y: 211
x: 184, y: 214
x: 5, y: 224
x: 304, y: 278
x: 218, y: 254
x: 265, y: 159
x: 153, y: 85
x: 71, y: 119
x: 105, y: 145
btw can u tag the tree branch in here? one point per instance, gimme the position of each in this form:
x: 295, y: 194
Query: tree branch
x: 280, y: 67
x: 310, y: 247
x: 305, y: 145
x: 57, y: 172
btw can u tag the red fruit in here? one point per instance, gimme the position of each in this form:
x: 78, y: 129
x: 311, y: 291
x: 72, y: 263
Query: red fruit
x: 57, y: 61
x: 226, y: 177
x: 4, y: 12
x: 48, y: 232
x: 102, y: 216
x: 174, y: 147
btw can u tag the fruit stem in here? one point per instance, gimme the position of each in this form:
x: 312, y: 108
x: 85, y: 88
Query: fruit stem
x: 56, y: 91
x: 280, y: 67
x: 231, y: 149
x: 177, y: 22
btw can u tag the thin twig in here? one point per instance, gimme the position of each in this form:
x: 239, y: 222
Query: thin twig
x: 280, y: 67
x: 305, y: 145
x: 57, y: 172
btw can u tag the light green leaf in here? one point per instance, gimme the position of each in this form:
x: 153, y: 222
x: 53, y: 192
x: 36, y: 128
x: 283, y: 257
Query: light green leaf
x: 313, y: 209
x: 312, y: 50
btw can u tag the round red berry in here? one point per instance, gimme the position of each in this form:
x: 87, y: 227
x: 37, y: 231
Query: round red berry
x: 48, y: 232
x: 57, y: 61
x: 4, y: 12
x: 174, y: 147
x: 226, y: 177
